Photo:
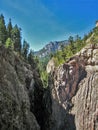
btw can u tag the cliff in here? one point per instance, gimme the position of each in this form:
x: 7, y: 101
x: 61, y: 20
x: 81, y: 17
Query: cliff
x: 74, y: 92
x: 18, y: 86
x: 69, y: 103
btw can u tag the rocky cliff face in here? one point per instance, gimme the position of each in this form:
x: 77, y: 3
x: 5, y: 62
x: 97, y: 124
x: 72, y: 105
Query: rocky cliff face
x: 74, y: 92
x: 17, y: 93
x: 69, y: 103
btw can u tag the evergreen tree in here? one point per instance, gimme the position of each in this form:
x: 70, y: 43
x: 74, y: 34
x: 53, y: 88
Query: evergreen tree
x: 77, y: 38
x: 16, y: 38
x: 9, y: 43
x: 2, y: 30
x: 33, y: 61
x: 71, y: 41
x: 62, y: 47
x: 36, y: 60
x: 85, y: 37
x: 25, y: 49
x: 9, y: 29
x: 78, y: 43
x: 31, y: 57
x: 51, y: 55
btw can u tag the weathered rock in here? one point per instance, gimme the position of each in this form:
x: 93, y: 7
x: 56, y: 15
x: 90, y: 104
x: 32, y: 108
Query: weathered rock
x: 74, y: 92
x: 69, y: 103
x: 16, y: 82
x: 86, y: 103
x: 50, y: 66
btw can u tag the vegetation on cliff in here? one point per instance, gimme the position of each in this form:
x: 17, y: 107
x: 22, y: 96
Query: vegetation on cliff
x: 10, y: 37
x: 23, y: 76
x: 75, y: 45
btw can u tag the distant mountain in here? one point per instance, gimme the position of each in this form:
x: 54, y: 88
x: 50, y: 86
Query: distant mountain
x: 51, y: 47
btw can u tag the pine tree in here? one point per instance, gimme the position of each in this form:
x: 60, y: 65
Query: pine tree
x: 71, y: 41
x: 25, y: 49
x: 16, y: 38
x: 3, y: 34
x: 78, y: 43
x: 77, y: 38
x: 33, y: 60
x: 9, y: 29
x: 31, y: 57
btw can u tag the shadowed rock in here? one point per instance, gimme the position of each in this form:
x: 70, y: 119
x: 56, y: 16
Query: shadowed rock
x: 15, y: 85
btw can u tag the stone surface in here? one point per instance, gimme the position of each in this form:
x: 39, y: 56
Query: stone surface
x: 86, y: 103
x: 74, y: 92
x: 16, y: 83
x: 69, y: 103
x: 50, y: 66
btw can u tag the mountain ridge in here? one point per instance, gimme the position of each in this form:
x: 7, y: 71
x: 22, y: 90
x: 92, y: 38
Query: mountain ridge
x: 51, y: 47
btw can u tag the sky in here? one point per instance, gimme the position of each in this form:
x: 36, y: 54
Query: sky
x: 43, y: 21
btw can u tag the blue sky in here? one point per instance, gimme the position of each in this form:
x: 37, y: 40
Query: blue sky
x: 43, y: 21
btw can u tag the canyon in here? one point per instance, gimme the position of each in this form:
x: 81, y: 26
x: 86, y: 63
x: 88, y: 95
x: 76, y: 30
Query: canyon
x: 70, y: 102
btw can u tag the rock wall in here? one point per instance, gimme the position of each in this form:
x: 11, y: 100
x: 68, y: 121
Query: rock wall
x: 69, y: 103
x: 86, y: 100
x: 17, y: 83
x: 74, y: 92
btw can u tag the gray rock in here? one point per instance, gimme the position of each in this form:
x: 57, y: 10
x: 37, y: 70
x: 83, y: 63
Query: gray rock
x: 74, y: 92
x: 15, y: 111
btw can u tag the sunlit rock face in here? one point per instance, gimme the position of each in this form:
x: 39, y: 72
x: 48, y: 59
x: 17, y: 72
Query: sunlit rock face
x: 74, y: 91
x: 16, y: 85
x: 50, y: 66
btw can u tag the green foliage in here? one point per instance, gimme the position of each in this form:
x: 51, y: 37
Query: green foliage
x: 9, y: 28
x: 95, y: 31
x: 30, y: 56
x: 16, y: 38
x: 58, y: 58
x: 69, y: 50
x: 11, y: 37
x: 9, y: 44
x: 9, y: 32
x: 33, y: 60
x: 62, y: 47
x: 70, y: 39
x: 72, y: 47
x: 25, y: 49
x: 2, y: 30
x: 51, y: 55
x: 75, y: 46
x: 85, y: 37
x: 44, y: 78
x: 42, y: 69
x: 93, y: 41
x: 44, y: 61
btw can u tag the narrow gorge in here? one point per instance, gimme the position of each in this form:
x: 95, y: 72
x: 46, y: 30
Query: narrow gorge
x: 70, y: 102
